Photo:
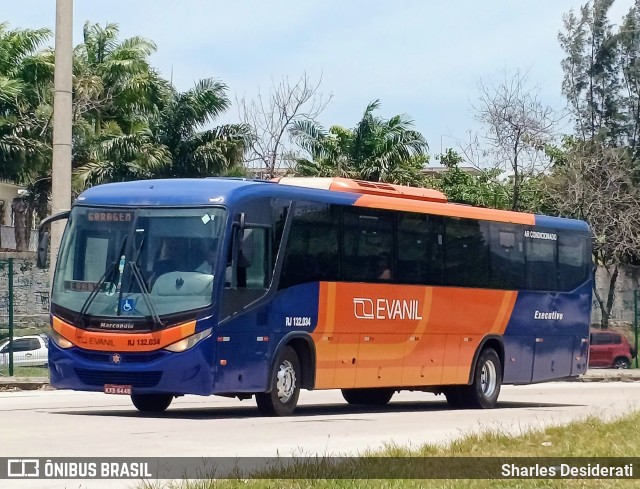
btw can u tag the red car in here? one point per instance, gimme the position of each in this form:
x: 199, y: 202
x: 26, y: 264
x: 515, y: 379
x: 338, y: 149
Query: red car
x: 610, y: 350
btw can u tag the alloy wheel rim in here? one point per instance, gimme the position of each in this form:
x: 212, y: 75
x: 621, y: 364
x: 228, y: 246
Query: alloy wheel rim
x: 286, y: 383
x: 488, y: 379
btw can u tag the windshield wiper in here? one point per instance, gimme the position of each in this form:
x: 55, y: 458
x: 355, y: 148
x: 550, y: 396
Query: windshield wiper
x: 137, y: 275
x: 145, y: 294
x: 107, y: 273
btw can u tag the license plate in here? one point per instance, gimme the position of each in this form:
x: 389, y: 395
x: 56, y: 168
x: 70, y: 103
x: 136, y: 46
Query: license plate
x: 117, y: 389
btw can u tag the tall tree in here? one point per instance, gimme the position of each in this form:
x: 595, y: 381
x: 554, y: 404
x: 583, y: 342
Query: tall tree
x: 629, y: 49
x: 195, y: 151
x: 113, y: 79
x: 517, y: 127
x: 25, y: 89
x: 116, y: 92
x: 592, y: 72
x: 271, y: 118
x: 594, y: 183
x: 173, y: 143
x: 25, y: 112
x: 602, y: 86
x: 376, y: 149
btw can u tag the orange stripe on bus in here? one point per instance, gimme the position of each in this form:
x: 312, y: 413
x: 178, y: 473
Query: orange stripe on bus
x: 115, y: 341
x: 504, y: 313
x: 451, y: 210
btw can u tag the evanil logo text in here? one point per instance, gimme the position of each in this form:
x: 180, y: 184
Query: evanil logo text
x: 365, y: 308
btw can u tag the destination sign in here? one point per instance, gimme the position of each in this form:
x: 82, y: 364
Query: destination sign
x: 110, y: 216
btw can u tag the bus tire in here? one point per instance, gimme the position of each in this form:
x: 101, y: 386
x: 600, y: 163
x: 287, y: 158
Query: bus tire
x: 151, y: 403
x: 454, y: 396
x: 375, y: 397
x: 487, y: 378
x: 286, y: 377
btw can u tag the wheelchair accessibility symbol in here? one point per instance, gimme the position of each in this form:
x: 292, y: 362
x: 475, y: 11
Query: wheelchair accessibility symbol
x: 127, y: 305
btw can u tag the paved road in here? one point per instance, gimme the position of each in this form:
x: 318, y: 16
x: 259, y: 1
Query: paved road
x: 64, y: 423
x: 74, y: 424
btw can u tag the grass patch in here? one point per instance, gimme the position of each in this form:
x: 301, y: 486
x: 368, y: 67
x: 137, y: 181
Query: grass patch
x: 593, y: 438
x: 25, y: 371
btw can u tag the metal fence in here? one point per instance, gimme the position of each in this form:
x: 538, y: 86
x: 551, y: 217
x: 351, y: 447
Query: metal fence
x: 6, y: 314
x: 23, y: 344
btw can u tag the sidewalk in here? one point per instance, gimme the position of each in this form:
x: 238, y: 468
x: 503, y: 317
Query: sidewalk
x: 593, y: 375
x: 610, y: 375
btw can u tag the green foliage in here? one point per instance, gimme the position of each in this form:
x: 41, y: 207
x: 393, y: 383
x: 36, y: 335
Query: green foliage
x: 197, y: 153
x: 376, y: 149
x: 602, y: 74
x: 485, y: 187
x: 590, y: 438
x: 25, y: 82
x: 128, y: 122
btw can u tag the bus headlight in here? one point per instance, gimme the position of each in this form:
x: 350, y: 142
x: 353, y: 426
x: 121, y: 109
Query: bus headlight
x: 189, y: 342
x: 59, y: 340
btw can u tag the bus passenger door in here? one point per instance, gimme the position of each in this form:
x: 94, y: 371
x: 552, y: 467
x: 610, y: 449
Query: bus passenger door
x: 243, y: 336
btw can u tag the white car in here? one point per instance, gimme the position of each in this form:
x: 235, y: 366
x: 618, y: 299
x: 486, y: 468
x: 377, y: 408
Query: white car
x: 28, y: 351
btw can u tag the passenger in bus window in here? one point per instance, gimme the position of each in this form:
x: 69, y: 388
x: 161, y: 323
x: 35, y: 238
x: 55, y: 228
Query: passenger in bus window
x: 169, y: 257
x: 384, y: 266
x: 210, y: 252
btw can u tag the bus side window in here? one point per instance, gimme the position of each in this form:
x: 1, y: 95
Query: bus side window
x: 466, y: 253
x: 251, y: 277
x: 312, y: 248
x: 419, y: 249
x: 540, y: 264
x: 368, y: 241
x: 507, y: 256
x: 573, y: 261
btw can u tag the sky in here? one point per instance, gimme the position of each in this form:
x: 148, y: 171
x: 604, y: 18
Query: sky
x: 423, y: 58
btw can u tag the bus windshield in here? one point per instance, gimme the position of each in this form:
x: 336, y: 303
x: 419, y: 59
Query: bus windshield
x: 133, y: 263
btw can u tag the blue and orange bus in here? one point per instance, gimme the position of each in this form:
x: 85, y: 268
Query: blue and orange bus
x: 250, y: 288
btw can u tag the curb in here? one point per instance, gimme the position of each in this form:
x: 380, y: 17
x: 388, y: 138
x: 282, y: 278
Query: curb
x: 24, y: 384
x: 596, y: 375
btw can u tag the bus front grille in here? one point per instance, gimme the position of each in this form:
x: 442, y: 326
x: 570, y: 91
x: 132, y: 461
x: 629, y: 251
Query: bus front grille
x: 134, y: 379
x: 124, y: 357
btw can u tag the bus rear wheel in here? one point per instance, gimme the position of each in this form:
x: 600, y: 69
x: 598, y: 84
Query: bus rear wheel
x: 285, y: 382
x: 151, y: 403
x: 484, y: 390
x: 375, y: 397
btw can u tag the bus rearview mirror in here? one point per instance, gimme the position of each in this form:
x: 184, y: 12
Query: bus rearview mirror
x: 43, y: 248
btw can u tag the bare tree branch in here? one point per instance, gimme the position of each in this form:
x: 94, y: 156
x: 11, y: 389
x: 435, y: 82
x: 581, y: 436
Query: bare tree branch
x: 271, y: 118
x: 517, y: 127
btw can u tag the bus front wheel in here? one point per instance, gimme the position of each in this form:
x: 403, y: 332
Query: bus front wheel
x: 285, y: 386
x: 151, y: 403
x: 373, y: 397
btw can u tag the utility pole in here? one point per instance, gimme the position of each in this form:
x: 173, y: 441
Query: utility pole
x: 62, y: 123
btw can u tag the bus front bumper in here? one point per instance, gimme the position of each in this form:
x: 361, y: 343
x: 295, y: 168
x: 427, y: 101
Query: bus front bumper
x: 156, y: 372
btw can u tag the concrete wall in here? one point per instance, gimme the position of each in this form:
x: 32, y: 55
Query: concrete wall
x: 30, y: 287
x: 623, y: 306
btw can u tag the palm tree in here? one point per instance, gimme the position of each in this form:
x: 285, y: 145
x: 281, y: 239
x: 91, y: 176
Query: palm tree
x: 113, y: 80
x: 376, y: 149
x: 25, y: 98
x: 195, y: 152
x: 116, y: 156
x: 171, y: 144
x: 25, y: 112
x: 116, y: 93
